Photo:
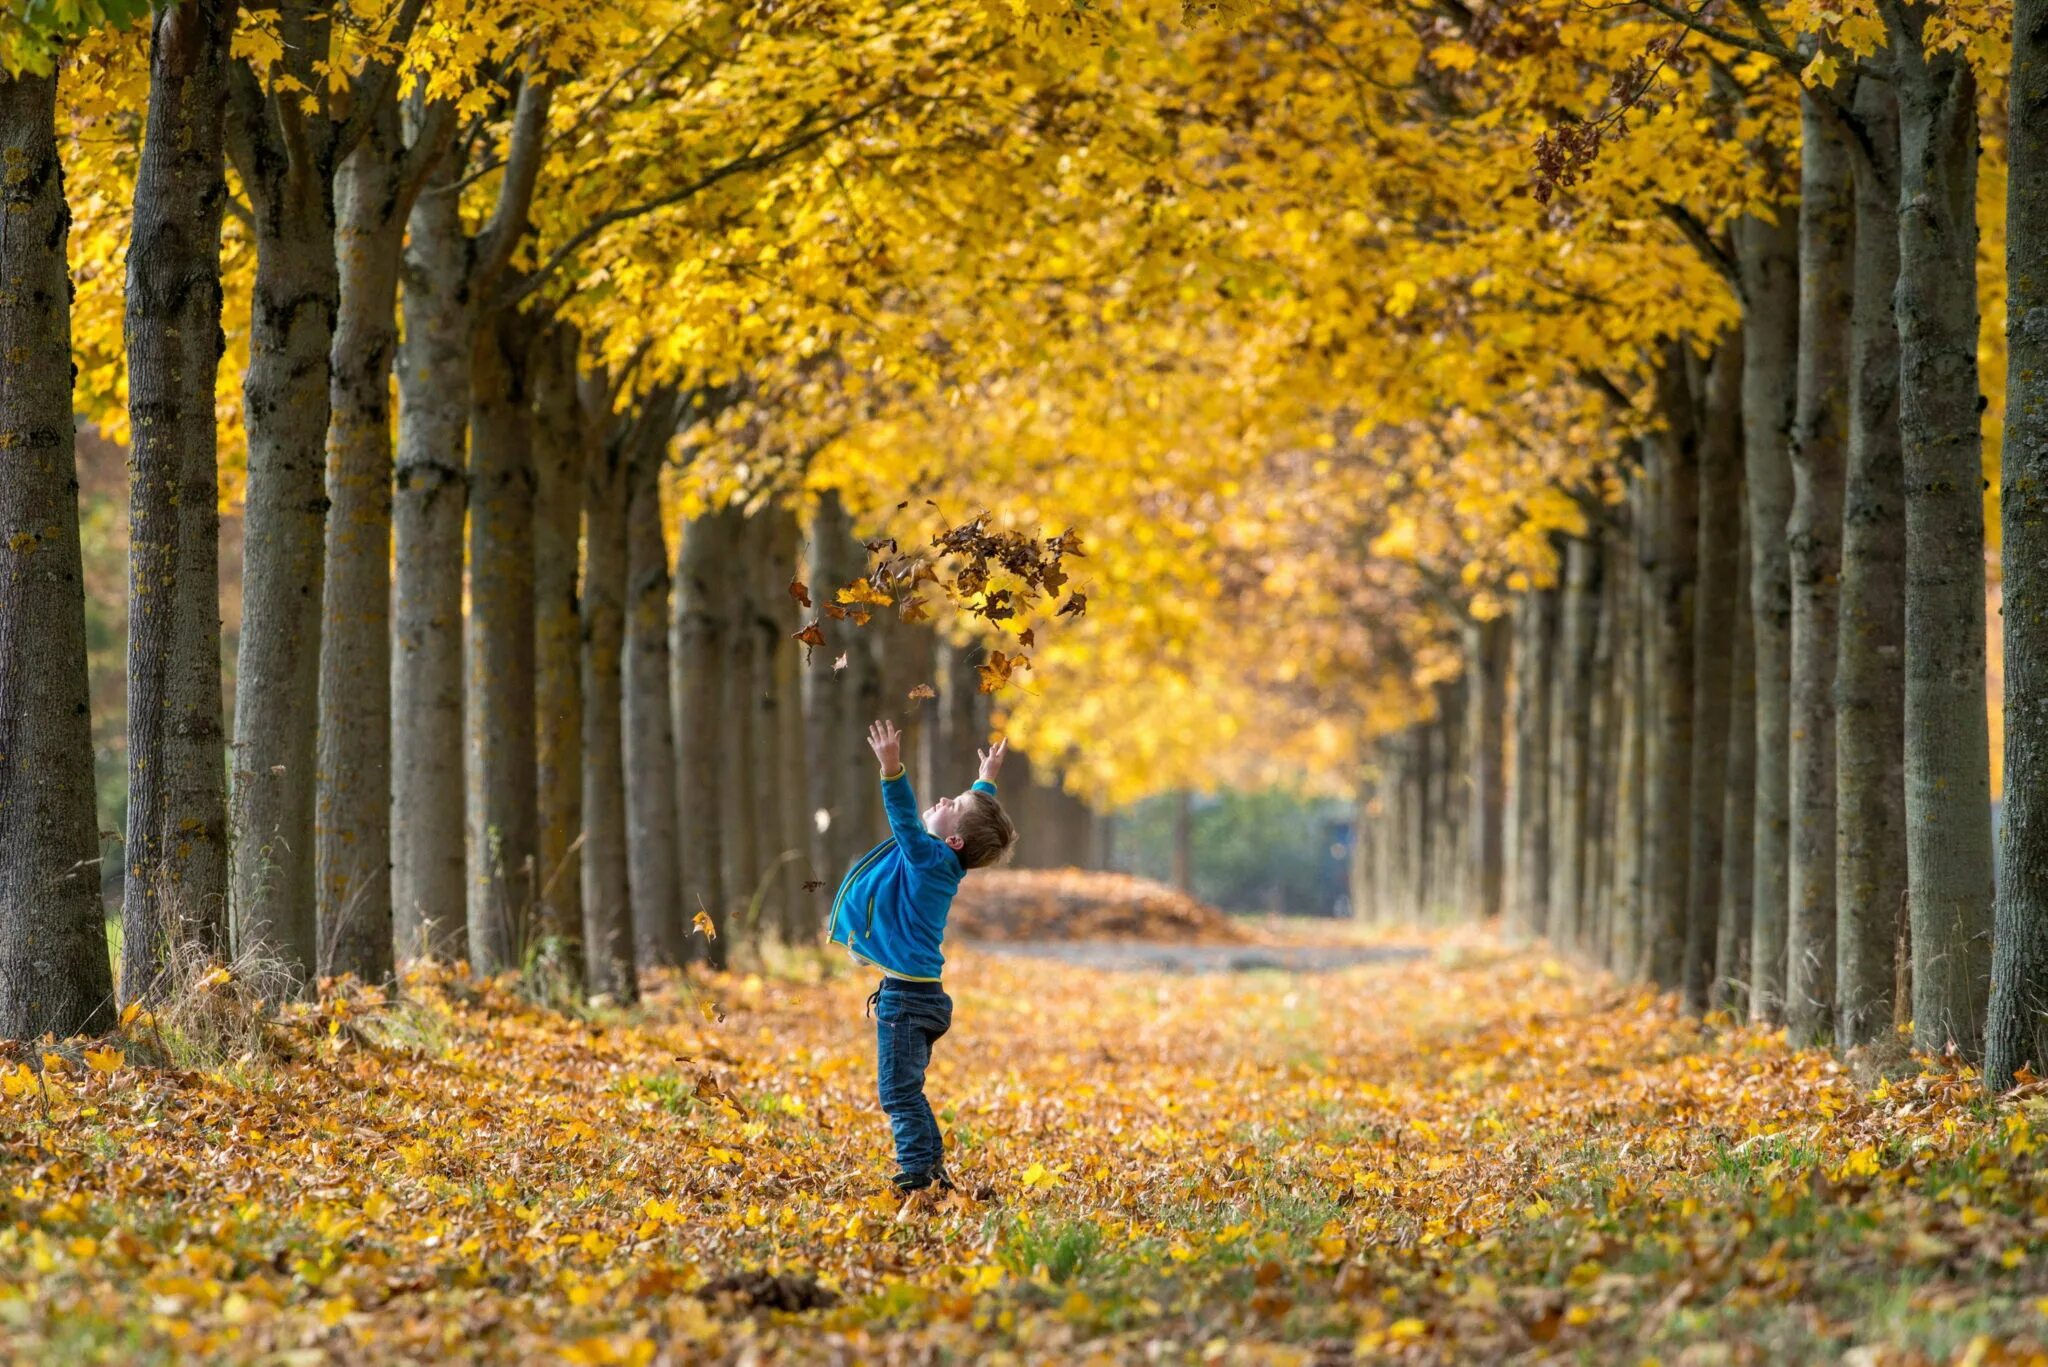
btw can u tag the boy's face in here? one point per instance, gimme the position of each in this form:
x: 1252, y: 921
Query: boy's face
x: 942, y: 818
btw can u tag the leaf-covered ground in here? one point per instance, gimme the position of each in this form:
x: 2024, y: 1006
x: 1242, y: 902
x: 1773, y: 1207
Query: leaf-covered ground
x: 1471, y: 1156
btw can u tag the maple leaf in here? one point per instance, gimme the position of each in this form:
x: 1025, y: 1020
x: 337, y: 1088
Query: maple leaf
x: 1076, y: 604
x: 914, y: 610
x: 923, y: 690
x: 813, y: 636
x: 801, y: 592
x: 704, y: 925
x: 105, y: 1059
x: 995, y: 671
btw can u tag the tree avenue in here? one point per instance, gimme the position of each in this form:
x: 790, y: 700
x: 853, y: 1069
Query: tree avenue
x: 1576, y: 434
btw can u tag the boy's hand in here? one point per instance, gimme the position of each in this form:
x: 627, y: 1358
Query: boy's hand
x: 992, y: 759
x: 887, y: 744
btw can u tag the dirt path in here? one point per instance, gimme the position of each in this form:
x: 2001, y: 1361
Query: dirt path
x: 1171, y: 958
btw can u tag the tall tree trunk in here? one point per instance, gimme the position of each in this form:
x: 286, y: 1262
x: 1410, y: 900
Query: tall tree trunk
x: 1578, y: 629
x: 1535, y: 632
x: 1813, y: 539
x: 559, y: 448
x: 176, y: 891
x: 1416, y: 833
x: 1449, y: 845
x: 703, y: 627
x: 352, y: 831
x: 54, y: 975
x: 799, y: 910
x: 1603, y: 753
x: 608, y: 951
x: 1768, y: 256
x: 1672, y: 581
x: 739, y: 779
x: 502, y: 767
x: 661, y: 915
x: 428, y: 843
x: 1183, y: 841
x: 1948, y: 779
x: 1626, y: 944
x: 1720, y: 542
x: 448, y: 274
x: 1486, y: 669
x: 1738, y: 825
x: 831, y: 726
x: 286, y: 157
x: 1870, y: 681
x: 2017, y: 1036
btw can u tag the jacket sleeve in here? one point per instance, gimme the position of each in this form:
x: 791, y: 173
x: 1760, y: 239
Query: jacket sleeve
x: 982, y: 785
x: 924, y: 851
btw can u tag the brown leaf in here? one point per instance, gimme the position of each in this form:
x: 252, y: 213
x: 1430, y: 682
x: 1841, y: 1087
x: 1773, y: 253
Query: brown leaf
x: 813, y: 636
x: 813, y: 884
x: 1076, y: 604
x: 801, y: 592
x: 923, y: 691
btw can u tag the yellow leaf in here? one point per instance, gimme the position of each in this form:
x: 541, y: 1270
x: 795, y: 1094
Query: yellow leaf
x: 105, y: 1059
x: 703, y: 925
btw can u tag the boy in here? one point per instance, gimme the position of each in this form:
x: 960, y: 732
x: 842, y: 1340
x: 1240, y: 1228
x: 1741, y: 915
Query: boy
x: 890, y: 913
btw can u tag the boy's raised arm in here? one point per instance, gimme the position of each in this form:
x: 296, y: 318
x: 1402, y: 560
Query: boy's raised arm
x: 991, y: 764
x: 899, y: 801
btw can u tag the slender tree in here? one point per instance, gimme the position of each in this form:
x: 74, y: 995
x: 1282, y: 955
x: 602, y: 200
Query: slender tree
x: 560, y: 448
x: 1670, y: 580
x: 54, y: 974
x: 703, y: 590
x: 608, y: 948
x: 176, y: 891
x: 653, y: 848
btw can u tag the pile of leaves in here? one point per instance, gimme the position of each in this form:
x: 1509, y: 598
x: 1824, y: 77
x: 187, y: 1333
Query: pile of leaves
x: 1471, y: 1156
x: 1073, y: 904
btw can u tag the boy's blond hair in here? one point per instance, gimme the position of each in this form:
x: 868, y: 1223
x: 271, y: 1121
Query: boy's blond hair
x: 987, y: 835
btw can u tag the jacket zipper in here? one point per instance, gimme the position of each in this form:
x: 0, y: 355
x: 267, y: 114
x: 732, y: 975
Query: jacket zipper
x: 869, y: 933
x: 856, y: 871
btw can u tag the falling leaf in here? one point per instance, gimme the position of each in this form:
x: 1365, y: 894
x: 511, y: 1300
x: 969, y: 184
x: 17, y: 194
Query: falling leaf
x: 703, y: 924
x: 801, y: 592
x: 839, y: 663
x: 813, y: 636
x: 813, y: 884
x: 711, y: 1011
x: 1076, y: 604
x: 923, y: 690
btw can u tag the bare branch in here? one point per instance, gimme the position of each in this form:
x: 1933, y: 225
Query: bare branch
x: 522, y: 170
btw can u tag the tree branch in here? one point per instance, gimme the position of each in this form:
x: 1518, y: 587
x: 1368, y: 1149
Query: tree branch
x: 1718, y: 256
x: 377, y: 82
x: 740, y: 165
x: 522, y: 170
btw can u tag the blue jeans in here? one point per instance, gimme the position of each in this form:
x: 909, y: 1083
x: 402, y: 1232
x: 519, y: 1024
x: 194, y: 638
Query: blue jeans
x: 909, y: 1017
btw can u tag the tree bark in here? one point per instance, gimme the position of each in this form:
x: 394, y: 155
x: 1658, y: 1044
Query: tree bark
x: 449, y: 274
x: 800, y: 912
x: 739, y: 780
x: 1719, y: 543
x: 1813, y: 539
x: 1733, y: 929
x: 559, y: 451
x: 503, y: 764
x: 609, y: 957
x: 831, y: 727
x: 1870, y: 685
x: 1672, y: 581
x: 1948, y: 780
x: 286, y: 161
x: 2017, y: 1036
x: 374, y: 190
x: 661, y: 915
x: 1603, y: 751
x: 703, y: 599
x: 1486, y: 667
x: 176, y: 891
x: 1578, y: 630
x: 1535, y: 632
x: 54, y: 974
x: 1768, y: 257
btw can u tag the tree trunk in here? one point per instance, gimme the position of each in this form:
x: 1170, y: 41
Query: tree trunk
x: 1767, y: 254
x: 1813, y: 540
x: 661, y: 915
x: 1733, y: 928
x: 352, y: 833
x: 1535, y: 632
x: 286, y: 161
x: 176, y: 891
x: 1578, y: 630
x: 1625, y: 942
x: 428, y: 882
x: 802, y: 913
x: 703, y: 600
x: 2017, y: 1036
x: 1450, y: 844
x: 1870, y: 685
x: 1948, y: 781
x: 739, y: 781
x: 1486, y: 666
x: 831, y: 726
x: 54, y: 975
x: 1672, y: 580
x: 559, y: 447
x: 502, y: 762
x: 1184, y: 841
x: 609, y: 958
x: 1720, y: 542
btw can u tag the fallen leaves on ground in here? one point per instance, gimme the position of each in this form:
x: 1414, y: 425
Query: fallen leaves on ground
x: 1471, y: 1156
x: 1076, y: 904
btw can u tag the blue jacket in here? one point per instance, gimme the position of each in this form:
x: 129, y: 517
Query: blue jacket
x: 891, y: 908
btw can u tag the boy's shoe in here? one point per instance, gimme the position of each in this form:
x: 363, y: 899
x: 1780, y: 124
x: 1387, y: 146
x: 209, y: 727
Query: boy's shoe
x: 918, y: 1181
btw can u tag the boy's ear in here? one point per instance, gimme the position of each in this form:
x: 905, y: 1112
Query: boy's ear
x: 956, y: 841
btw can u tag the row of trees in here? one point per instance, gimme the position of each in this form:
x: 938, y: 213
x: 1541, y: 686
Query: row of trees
x: 490, y: 702
x: 1749, y: 757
